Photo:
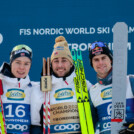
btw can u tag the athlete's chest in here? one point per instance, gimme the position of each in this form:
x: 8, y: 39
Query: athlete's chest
x: 63, y: 93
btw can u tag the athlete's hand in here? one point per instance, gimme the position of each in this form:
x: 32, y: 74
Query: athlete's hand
x: 128, y: 130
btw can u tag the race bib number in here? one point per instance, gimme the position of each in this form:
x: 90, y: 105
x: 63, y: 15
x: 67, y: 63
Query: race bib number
x: 17, y: 117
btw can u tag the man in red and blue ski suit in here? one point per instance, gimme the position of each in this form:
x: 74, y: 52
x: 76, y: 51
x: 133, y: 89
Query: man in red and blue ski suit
x: 101, y: 93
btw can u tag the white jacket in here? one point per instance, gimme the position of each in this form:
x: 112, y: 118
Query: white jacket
x: 16, y: 102
x: 101, y: 97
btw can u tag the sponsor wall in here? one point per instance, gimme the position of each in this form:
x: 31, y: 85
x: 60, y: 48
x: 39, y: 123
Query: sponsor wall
x: 38, y: 23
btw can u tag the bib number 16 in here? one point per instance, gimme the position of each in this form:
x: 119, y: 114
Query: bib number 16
x: 19, y: 111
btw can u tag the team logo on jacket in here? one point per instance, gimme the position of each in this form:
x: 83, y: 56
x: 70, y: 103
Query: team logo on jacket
x: 64, y: 94
x: 15, y: 94
x: 106, y: 93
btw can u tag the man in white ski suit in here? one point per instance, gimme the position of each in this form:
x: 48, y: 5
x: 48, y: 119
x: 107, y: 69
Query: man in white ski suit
x: 101, y: 93
x: 17, y: 89
x: 64, y: 117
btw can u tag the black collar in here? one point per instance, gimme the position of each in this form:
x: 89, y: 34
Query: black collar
x: 6, y: 70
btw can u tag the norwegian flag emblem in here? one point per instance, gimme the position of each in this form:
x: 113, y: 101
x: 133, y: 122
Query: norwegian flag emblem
x: 55, y: 53
x: 22, y: 54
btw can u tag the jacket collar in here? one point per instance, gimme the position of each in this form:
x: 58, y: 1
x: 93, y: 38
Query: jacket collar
x: 107, y: 80
x: 68, y: 79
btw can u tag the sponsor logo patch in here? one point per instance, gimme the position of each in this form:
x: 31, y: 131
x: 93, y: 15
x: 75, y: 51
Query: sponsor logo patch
x: 59, y: 48
x: 106, y: 93
x: 21, y: 51
x: 97, y: 50
x: 63, y: 94
x: 15, y: 94
x: 72, y: 127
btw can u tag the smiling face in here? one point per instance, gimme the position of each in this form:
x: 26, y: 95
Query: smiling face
x: 61, y: 66
x: 20, y: 67
x: 102, y: 65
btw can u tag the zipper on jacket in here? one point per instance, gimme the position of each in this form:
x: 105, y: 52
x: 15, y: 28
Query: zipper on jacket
x: 19, y: 82
x: 66, y: 82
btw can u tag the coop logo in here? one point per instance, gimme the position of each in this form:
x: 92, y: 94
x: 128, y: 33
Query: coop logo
x: 17, y: 127
x: 107, y: 125
x: 63, y: 94
x: 106, y: 93
x: 68, y: 127
x: 15, y: 94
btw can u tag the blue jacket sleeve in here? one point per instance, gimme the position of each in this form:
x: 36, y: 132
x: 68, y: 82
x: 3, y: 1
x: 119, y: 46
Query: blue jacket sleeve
x: 131, y: 78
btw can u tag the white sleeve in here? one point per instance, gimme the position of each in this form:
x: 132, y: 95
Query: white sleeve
x: 89, y: 85
x: 37, y: 98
